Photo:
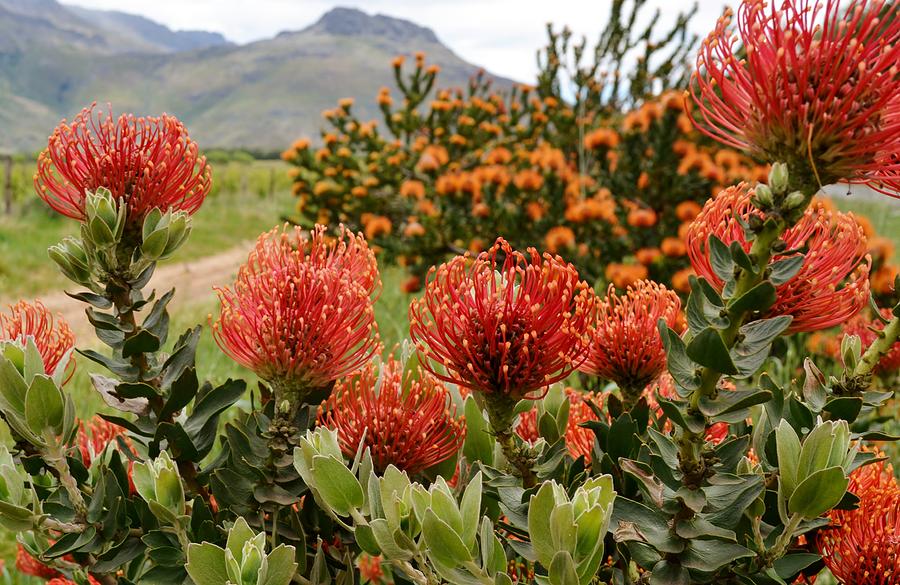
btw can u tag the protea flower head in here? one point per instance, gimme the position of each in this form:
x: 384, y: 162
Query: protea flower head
x: 300, y: 312
x: 28, y: 565
x: 406, y: 420
x: 53, y: 338
x: 503, y: 323
x: 807, y: 82
x: 147, y: 162
x: 833, y: 283
x: 579, y: 440
x: 862, y: 546
x: 626, y: 346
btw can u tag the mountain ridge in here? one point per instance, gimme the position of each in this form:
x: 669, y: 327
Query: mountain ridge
x: 260, y: 95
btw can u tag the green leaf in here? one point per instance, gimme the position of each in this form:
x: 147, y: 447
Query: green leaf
x: 635, y: 521
x: 44, y: 406
x: 669, y: 573
x: 710, y: 555
x: 470, y: 508
x: 819, y: 493
x: 478, y: 444
x: 709, y: 350
x: 844, y: 407
x: 337, y: 485
x: 683, y: 370
x: 720, y: 259
x: 444, y: 545
x: 759, y: 298
x: 206, y: 564
x: 729, y: 401
x: 788, y: 446
x: 759, y: 335
x: 785, y: 269
x: 539, y: 509
x: 562, y: 569
x: 282, y: 566
x: 141, y: 342
x: 12, y: 387
x: 740, y: 257
x: 789, y: 565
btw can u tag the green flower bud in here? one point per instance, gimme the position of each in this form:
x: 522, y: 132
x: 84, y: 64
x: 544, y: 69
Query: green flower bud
x: 105, y: 218
x: 794, y: 200
x: 764, y: 196
x: 851, y: 351
x: 552, y: 516
x: 243, y: 561
x: 158, y: 482
x: 778, y: 178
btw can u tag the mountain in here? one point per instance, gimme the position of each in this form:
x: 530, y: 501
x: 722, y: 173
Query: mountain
x: 55, y: 59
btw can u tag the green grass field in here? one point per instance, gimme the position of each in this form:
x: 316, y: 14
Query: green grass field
x: 249, y: 200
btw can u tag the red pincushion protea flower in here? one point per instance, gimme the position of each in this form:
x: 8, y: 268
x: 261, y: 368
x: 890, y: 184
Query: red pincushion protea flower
x: 300, y: 314
x: 93, y: 438
x: 818, y: 85
x: 54, y: 340
x: 867, y: 329
x: 832, y: 285
x: 579, y: 440
x: 408, y: 421
x: 862, y: 546
x: 506, y: 323
x: 626, y: 346
x: 148, y: 162
x: 28, y: 565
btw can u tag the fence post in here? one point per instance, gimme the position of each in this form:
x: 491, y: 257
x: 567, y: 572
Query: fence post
x: 7, y: 184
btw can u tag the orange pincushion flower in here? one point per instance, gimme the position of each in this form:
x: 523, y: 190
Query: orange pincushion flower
x: 147, y: 162
x: 64, y: 581
x: 54, y: 341
x: 370, y: 568
x: 641, y: 217
x: 504, y: 322
x: 579, y: 440
x: 408, y: 421
x: 498, y: 156
x: 862, y: 546
x: 414, y: 229
x: 687, y: 210
x: 647, y: 256
x: 673, y: 247
x: 626, y: 347
x: 601, y: 138
x: 681, y: 280
x: 884, y: 278
x: 625, y: 275
x: 528, y: 180
x: 832, y: 285
x: 809, y: 81
x: 559, y: 238
x: 300, y: 313
x: 378, y: 225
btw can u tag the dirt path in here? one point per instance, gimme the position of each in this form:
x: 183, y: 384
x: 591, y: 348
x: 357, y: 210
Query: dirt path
x: 193, y: 282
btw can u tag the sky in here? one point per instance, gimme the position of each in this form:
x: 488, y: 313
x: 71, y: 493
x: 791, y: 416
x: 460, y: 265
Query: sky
x: 500, y: 35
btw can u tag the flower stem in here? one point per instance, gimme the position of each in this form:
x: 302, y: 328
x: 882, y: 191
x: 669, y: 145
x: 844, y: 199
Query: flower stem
x: 784, y: 540
x: 56, y: 457
x: 502, y: 415
x: 886, y: 339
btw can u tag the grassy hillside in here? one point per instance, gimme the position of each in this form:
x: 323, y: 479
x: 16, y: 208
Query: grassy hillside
x: 261, y: 95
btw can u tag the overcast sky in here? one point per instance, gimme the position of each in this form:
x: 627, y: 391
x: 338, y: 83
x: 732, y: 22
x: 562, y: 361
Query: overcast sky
x: 501, y: 35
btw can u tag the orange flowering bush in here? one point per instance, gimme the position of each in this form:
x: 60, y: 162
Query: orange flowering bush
x: 608, y: 182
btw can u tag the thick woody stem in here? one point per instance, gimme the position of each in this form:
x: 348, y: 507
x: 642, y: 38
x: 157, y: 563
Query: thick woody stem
x: 501, y: 414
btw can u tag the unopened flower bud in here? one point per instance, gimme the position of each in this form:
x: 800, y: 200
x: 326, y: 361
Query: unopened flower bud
x: 851, y: 350
x: 71, y: 258
x: 794, y: 200
x: 778, y: 178
x: 764, y: 196
x: 158, y: 482
x: 105, y: 218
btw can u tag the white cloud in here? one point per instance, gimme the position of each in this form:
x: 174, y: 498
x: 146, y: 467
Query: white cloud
x: 501, y: 35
